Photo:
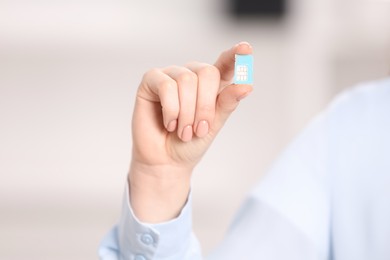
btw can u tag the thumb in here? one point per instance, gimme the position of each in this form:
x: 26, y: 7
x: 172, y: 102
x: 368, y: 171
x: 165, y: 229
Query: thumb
x: 225, y: 62
x: 227, y: 102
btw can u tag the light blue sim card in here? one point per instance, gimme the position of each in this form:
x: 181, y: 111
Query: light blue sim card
x: 243, y: 69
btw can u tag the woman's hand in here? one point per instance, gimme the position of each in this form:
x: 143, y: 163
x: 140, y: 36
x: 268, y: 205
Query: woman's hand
x: 178, y: 113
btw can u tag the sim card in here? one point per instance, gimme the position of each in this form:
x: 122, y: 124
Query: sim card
x: 243, y: 69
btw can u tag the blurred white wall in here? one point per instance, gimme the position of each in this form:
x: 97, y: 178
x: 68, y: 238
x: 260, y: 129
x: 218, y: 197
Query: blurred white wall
x: 68, y: 74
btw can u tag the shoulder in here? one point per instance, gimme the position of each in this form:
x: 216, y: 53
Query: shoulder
x: 365, y: 97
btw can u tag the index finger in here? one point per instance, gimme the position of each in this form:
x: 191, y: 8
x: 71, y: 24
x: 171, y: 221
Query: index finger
x: 225, y: 62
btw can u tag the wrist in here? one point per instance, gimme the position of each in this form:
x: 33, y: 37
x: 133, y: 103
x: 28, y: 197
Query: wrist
x: 158, y: 193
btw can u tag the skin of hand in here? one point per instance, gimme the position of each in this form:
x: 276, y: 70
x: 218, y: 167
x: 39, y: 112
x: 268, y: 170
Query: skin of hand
x: 178, y: 113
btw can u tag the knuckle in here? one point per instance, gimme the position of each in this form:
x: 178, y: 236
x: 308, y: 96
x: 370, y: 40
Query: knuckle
x: 166, y: 85
x: 209, y: 71
x: 187, y: 77
x: 150, y: 73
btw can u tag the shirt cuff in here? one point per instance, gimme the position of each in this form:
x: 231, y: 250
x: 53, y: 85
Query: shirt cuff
x: 142, y: 241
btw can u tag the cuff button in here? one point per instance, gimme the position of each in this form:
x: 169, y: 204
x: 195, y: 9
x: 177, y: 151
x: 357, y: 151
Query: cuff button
x: 147, y: 239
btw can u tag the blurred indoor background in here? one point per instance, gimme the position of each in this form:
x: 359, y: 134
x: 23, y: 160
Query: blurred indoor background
x: 68, y: 74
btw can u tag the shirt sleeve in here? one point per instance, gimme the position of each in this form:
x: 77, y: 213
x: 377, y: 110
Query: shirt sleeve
x: 287, y: 215
x: 132, y: 239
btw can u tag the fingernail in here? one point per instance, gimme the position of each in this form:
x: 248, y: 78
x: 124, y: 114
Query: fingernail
x: 246, y: 43
x: 186, y: 135
x: 202, y: 129
x: 243, y: 96
x: 172, y: 126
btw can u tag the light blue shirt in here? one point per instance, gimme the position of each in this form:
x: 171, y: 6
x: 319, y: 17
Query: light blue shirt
x: 326, y: 197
